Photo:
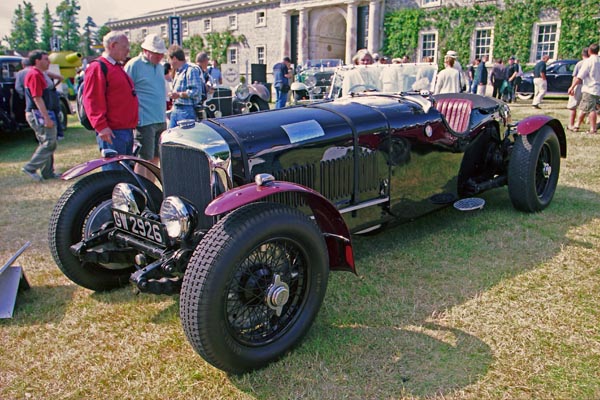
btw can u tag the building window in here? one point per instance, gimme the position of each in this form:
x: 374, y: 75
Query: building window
x: 428, y: 45
x: 128, y: 35
x: 163, y: 31
x: 233, y: 22
x: 185, y: 28
x: 207, y: 25
x: 546, y: 40
x: 430, y: 3
x: 362, y: 27
x: 260, y: 54
x: 144, y: 32
x: 232, y: 56
x: 483, y: 43
x: 261, y: 18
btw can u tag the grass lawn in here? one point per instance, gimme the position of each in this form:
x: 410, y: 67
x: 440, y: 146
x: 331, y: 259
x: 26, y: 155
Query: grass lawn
x: 495, y: 304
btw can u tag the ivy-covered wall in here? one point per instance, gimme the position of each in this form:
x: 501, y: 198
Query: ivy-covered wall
x: 513, y: 27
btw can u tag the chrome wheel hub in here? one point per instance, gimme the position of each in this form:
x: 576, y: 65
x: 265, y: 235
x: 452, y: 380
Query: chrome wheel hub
x: 547, y: 170
x: 278, y: 295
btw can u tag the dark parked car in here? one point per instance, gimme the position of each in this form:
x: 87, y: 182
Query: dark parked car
x: 313, y: 80
x: 222, y: 102
x: 559, y: 75
x: 255, y: 210
x: 12, y: 107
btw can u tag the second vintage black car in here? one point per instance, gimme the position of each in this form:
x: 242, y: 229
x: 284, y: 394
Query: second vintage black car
x: 12, y: 107
x: 559, y: 75
x: 255, y: 210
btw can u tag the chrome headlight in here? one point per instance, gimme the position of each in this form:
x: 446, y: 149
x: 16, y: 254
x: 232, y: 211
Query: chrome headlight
x: 310, y: 81
x: 128, y: 198
x: 316, y: 90
x: 242, y: 91
x: 178, y: 216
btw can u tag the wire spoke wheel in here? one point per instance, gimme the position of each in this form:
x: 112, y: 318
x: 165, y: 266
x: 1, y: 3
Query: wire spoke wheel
x: 254, y: 317
x: 254, y: 286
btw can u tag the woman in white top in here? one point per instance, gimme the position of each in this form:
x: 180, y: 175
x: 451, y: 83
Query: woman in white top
x: 448, y: 79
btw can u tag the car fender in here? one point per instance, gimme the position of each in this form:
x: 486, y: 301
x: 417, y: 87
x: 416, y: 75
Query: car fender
x: 328, y: 218
x: 260, y: 90
x: 298, y: 86
x: 534, y: 123
x: 91, y: 165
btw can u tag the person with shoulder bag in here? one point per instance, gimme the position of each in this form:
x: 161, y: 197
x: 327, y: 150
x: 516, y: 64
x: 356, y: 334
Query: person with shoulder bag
x: 281, y: 81
x: 187, y: 89
x: 40, y: 117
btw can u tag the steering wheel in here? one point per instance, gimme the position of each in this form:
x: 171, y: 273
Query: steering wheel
x: 366, y: 86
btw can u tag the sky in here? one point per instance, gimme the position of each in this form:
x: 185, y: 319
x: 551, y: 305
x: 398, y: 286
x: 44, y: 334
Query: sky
x: 100, y: 10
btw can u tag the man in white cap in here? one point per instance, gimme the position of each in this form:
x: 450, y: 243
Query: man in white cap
x: 462, y: 75
x: 149, y: 81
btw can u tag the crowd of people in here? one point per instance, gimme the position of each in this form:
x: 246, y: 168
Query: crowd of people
x: 126, y: 99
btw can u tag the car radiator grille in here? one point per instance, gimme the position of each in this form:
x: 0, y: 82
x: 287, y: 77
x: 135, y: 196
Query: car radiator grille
x: 186, y: 173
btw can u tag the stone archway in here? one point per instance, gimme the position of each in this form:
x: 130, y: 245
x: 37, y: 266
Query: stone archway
x: 327, y: 35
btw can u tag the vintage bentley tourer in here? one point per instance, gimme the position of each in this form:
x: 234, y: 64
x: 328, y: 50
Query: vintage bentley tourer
x: 250, y: 213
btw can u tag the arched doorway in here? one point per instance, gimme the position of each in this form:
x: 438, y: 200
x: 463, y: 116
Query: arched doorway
x: 327, y: 35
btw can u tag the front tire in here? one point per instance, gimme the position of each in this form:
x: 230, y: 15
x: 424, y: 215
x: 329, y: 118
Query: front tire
x: 81, y: 211
x: 533, y: 170
x: 253, y: 286
x: 258, y: 104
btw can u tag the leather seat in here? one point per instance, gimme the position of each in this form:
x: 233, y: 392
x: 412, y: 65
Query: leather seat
x: 457, y: 112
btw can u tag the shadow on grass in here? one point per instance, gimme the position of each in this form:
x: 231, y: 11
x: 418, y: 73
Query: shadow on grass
x: 41, y: 305
x: 374, y: 336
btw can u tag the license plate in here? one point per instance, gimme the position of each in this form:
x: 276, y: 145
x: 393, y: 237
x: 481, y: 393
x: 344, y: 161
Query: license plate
x: 139, y: 226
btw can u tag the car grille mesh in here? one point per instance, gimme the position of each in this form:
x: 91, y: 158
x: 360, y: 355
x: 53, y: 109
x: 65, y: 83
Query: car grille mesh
x: 186, y: 173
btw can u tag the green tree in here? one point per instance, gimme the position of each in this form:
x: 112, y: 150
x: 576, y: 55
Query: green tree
x: 89, y: 37
x: 23, y: 34
x: 102, y: 31
x: 195, y: 44
x: 47, y: 29
x: 135, y: 48
x: 218, y: 43
x: 67, y: 12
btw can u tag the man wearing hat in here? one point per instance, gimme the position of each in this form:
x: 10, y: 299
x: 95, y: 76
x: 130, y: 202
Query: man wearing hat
x: 149, y: 81
x: 461, y: 74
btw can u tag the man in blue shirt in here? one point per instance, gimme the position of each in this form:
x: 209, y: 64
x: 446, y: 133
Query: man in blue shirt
x: 539, y: 81
x: 149, y: 83
x: 281, y: 82
x: 187, y: 87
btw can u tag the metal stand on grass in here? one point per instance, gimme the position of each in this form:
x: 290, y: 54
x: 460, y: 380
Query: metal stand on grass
x: 12, y: 281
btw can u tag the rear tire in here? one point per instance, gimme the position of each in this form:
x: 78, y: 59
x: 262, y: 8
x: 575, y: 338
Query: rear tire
x: 525, y: 96
x: 533, y: 170
x: 259, y: 256
x: 62, y: 116
x: 79, y: 212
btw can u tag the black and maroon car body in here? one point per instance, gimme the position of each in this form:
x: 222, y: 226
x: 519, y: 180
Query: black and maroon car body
x: 253, y: 211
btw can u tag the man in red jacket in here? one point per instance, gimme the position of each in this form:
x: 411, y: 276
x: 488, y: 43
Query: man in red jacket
x: 110, y: 100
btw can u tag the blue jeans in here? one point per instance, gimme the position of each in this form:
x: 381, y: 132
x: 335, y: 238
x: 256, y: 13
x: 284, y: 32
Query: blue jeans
x: 122, y: 143
x: 281, y: 98
x: 179, y: 113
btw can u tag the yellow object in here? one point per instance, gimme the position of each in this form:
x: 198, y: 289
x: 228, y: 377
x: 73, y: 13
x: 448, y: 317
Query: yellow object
x: 67, y: 61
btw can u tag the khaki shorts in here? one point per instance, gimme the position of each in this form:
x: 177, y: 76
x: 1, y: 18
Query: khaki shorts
x: 148, y: 136
x: 574, y: 100
x: 588, y: 102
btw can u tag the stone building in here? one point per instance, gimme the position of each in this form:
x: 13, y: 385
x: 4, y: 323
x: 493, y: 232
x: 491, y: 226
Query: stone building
x: 309, y: 29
